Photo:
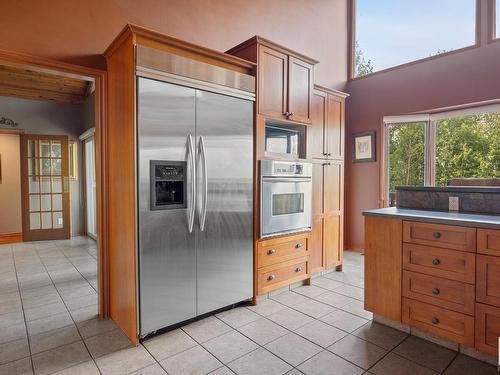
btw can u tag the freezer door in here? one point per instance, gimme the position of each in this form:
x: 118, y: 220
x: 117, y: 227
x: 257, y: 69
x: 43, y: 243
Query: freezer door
x: 224, y: 134
x: 167, y: 256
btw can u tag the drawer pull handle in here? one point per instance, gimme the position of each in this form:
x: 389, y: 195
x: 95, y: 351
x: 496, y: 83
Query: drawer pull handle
x: 298, y: 245
x: 271, y: 277
x: 298, y: 269
x: 436, y: 262
x: 435, y: 321
x: 435, y: 291
x: 271, y: 252
x: 436, y: 235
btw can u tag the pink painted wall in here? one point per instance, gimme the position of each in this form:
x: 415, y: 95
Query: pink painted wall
x: 470, y: 76
x: 79, y: 31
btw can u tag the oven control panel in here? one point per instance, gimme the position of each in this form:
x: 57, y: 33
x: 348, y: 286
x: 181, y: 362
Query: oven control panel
x: 274, y: 168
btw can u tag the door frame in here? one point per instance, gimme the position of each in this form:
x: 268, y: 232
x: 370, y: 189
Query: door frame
x: 99, y: 77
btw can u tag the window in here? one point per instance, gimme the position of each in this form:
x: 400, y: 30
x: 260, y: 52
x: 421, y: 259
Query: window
x: 393, y: 32
x: 432, y: 149
x: 497, y: 18
x: 73, y: 160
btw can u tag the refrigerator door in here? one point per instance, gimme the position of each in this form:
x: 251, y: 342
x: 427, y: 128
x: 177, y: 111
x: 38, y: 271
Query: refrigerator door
x: 167, y: 256
x: 224, y: 144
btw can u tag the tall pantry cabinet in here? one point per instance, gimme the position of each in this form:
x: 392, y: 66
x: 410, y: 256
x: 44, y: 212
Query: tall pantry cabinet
x: 326, y: 149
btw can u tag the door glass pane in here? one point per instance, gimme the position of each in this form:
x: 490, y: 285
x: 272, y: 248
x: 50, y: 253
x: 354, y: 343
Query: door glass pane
x: 45, y: 184
x: 56, y: 202
x: 57, y: 220
x: 56, y: 167
x: 286, y: 204
x: 31, y: 148
x: 35, y: 220
x: 55, y: 149
x: 46, y: 220
x: 45, y: 167
x: 56, y: 185
x: 34, y: 202
x: 90, y: 186
x: 406, y: 156
x: 45, y: 149
x: 45, y: 202
x: 468, y: 147
x: 34, y: 185
x: 31, y: 167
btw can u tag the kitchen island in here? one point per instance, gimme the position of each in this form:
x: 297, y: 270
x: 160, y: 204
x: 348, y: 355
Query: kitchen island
x: 436, y: 273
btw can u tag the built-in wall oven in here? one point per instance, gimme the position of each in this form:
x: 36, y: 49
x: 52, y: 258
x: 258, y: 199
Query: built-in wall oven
x: 286, y: 195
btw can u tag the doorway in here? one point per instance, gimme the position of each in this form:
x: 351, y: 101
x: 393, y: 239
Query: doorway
x: 52, y: 81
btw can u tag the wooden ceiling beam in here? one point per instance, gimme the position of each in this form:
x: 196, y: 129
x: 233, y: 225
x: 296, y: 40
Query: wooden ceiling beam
x: 28, y: 93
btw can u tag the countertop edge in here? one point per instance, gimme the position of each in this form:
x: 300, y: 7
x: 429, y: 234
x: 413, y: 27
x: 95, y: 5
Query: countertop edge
x: 428, y: 217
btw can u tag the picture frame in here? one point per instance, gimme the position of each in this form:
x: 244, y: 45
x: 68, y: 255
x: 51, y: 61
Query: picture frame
x: 364, y: 147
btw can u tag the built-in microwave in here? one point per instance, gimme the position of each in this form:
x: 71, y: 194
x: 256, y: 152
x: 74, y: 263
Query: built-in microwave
x: 284, y: 140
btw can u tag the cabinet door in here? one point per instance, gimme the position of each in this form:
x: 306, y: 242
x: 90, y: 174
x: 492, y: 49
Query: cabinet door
x: 487, y: 328
x: 316, y: 254
x: 273, y: 75
x: 300, y: 88
x: 316, y: 132
x: 334, y: 127
x: 488, y: 279
x: 333, y: 238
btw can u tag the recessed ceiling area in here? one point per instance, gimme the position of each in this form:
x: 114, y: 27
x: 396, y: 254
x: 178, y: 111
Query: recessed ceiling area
x: 25, y: 83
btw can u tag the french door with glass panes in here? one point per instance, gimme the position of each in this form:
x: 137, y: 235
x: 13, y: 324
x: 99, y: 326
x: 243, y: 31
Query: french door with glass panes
x: 45, y: 187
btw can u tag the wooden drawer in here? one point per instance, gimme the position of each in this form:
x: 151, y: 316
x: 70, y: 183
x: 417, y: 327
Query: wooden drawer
x: 488, y: 280
x: 448, y: 324
x: 487, y: 328
x: 282, y: 249
x: 488, y: 242
x: 447, y: 236
x: 276, y: 276
x: 449, y: 264
x: 449, y: 294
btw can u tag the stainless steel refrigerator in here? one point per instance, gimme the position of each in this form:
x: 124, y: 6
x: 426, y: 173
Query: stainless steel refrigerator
x: 195, y: 202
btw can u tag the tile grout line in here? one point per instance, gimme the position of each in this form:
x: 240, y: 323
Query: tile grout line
x: 71, y: 316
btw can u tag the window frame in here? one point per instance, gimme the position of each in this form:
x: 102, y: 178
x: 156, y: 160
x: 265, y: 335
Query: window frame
x: 477, y: 40
x: 430, y: 119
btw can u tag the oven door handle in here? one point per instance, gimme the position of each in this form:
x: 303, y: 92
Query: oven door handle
x: 285, y: 179
x: 191, y: 157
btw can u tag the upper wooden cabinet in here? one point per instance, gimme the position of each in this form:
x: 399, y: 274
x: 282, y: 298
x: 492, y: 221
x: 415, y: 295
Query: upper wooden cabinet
x: 284, y: 79
x: 326, y: 136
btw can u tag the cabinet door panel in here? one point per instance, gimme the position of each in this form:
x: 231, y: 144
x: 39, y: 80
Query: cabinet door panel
x: 334, y: 127
x: 488, y: 280
x: 300, y: 87
x: 332, y: 240
x: 317, y: 188
x: 273, y: 75
x: 316, y: 255
x: 487, y: 328
x: 333, y: 177
x: 316, y: 132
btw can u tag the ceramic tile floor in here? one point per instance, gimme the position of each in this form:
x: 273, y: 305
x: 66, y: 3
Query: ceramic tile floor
x: 47, y: 326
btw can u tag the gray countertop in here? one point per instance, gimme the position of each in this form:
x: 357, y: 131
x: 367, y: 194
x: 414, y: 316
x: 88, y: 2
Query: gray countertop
x: 454, y: 218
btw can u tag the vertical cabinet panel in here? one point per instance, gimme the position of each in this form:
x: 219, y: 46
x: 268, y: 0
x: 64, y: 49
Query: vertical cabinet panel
x: 333, y: 187
x: 316, y: 132
x: 487, y: 328
x: 273, y: 75
x: 488, y: 280
x: 300, y: 85
x: 333, y: 240
x: 316, y: 253
x: 334, y: 127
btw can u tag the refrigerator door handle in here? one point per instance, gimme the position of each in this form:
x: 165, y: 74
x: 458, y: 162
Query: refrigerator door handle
x: 205, y: 185
x: 192, y: 205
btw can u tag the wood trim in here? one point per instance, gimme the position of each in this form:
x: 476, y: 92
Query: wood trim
x: 137, y: 32
x: 266, y: 42
x: 331, y: 91
x: 99, y: 77
x: 6, y: 238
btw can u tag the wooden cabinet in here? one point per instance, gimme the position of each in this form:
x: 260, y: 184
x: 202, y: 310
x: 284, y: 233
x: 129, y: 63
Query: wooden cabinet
x: 284, y: 79
x: 487, y: 328
x: 448, y: 283
x: 325, y: 148
x: 282, y: 261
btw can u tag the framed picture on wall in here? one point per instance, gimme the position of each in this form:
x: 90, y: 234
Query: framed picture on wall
x: 364, y: 147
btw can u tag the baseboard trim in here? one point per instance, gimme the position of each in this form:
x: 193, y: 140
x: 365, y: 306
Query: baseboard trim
x: 10, y: 238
